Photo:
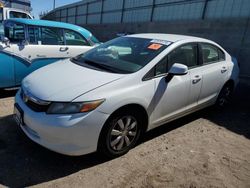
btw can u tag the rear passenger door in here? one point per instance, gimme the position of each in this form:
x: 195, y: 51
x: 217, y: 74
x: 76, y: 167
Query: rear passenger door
x: 214, y: 72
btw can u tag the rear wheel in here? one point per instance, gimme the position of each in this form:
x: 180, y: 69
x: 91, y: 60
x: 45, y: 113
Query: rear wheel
x: 120, y: 134
x: 225, y: 95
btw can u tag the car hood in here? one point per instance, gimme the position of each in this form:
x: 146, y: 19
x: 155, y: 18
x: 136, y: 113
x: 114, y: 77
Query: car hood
x: 65, y: 81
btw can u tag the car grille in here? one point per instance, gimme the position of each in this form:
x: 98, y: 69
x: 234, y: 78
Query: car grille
x: 35, y: 105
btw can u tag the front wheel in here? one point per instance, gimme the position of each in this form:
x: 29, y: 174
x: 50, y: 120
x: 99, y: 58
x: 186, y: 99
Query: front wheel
x: 120, y: 134
x: 225, y: 96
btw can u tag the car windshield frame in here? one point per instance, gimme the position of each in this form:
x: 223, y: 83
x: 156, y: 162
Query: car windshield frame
x: 123, y: 55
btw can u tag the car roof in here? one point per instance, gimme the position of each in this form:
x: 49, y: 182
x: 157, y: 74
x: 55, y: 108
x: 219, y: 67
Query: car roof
x: 46, y: 23
x: 167, y: 37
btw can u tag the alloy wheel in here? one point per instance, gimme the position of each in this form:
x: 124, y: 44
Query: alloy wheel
x: 123, y: 133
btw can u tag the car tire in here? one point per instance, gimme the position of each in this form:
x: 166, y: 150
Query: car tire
x: 120, y: 133
x: 1, y: 91
x: 225, y: 95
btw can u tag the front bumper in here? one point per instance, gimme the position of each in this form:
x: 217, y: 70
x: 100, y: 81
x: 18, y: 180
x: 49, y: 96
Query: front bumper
x: 74, y: 135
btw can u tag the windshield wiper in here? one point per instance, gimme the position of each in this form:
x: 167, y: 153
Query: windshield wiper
x: 100, y: 66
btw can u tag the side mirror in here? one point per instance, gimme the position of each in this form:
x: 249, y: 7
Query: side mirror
x: 178, y: 69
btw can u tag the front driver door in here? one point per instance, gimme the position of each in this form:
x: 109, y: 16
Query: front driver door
x: 172, y: 94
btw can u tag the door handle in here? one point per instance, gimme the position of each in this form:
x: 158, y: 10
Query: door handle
x: 223, y: 70
x: 41, y: 56
x: 63, y: 49
x: 196, y: 79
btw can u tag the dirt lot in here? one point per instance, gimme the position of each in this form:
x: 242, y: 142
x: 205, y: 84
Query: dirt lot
x: 210, y: 148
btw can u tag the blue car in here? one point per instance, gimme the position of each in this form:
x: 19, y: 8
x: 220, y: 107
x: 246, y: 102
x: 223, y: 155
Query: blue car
x: 30, y: 44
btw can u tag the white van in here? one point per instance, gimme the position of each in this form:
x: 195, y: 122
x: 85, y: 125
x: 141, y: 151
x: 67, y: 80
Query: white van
x: 6, y: 13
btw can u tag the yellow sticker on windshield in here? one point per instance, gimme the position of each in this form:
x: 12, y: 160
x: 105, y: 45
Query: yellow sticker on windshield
x: 154, y: 46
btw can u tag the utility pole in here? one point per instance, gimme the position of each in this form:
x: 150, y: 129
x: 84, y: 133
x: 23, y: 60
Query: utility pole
x: 54, y: 4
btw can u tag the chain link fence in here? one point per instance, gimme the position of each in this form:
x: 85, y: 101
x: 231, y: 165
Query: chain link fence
x: 131, y: 11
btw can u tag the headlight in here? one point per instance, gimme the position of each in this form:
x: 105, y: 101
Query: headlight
x: 73, y: 107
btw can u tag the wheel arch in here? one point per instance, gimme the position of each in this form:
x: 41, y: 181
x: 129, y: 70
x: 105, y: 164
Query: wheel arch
x: 230, y: 82
x: 136, y: 107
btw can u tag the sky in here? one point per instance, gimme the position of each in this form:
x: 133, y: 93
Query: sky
x: 47, y: 5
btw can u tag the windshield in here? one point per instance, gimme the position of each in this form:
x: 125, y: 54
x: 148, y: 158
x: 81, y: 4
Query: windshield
x: 122, y: 55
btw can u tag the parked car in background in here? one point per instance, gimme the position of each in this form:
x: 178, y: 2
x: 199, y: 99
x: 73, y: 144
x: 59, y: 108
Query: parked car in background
x: 30, y: 44
x: 106, y: 98
x: 7, y: 13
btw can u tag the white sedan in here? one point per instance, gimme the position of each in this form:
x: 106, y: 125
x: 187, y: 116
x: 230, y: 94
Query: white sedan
x: 107, y: 98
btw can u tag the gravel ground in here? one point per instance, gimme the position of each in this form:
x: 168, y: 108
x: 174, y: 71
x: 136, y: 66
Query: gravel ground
x: 210, y: 148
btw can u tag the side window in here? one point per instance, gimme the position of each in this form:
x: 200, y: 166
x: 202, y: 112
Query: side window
x: 161, y: 67
x: 210, y: 53
x: 186, y: 55
x: 222, y: 55
x: 15, y: 32
x: 75, y: 39
x: 52, y: 36
x: 34, y: 35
